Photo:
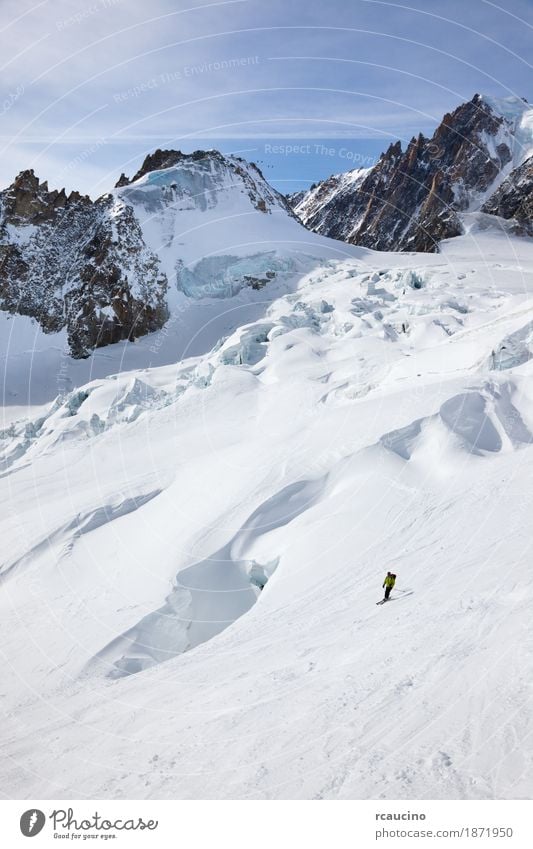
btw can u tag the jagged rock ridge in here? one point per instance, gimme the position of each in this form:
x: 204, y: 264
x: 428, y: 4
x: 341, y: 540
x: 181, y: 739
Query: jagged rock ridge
x: 412, y: 199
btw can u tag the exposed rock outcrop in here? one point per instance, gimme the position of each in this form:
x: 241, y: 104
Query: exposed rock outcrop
x: 74, y: 263
x: 411, y: 199
x: 514, y: 198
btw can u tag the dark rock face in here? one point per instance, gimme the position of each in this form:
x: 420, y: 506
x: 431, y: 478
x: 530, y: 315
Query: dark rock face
x: 71, y: 262
x: 334, y: 206
x: 157, y: 161
x: 295, y: 198
x: 410, y: 200
x: 122, y: 293
x: 28, y: 201
x: 514, y: 198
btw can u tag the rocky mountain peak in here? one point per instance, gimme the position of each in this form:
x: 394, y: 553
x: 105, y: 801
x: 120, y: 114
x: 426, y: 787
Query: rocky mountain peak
x: 392, y: 154
x: 170, y: 180
x: 100, y: 270
x: 28, y: 201
x: 159, y: 160
x: 412, y: 199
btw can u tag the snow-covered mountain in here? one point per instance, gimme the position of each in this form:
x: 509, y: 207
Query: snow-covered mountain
x: 315, y: 207
x: 200, y: 225
x: 375, y: 414
x: 197, y: 524
x: 412, y: 199
x: 70, y: 263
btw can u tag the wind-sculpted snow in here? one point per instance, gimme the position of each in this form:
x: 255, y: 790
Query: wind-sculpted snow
x: 478, y: 424
x: 81, y: 524
x: 196, y: 580
x: 514, y: 350
x: 465, y: 415
x: 210, y: 595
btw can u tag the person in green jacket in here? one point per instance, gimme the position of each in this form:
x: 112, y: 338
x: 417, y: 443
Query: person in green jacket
x: 388, y: 584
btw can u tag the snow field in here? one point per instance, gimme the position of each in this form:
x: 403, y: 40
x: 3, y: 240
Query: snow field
x: 354, y: 422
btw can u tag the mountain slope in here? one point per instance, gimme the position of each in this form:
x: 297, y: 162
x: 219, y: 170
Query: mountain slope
x: 200, y: 225
x: 69, y: 262
x: 378, y: 415
x: 412, y: 199
x: 514, y: 198
x: 314, y: 208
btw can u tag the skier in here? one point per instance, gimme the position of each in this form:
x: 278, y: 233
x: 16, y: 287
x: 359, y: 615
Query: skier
x: 388, y: 584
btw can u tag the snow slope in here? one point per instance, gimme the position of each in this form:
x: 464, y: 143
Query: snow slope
x: 376, y: 414
x: 219, y: 231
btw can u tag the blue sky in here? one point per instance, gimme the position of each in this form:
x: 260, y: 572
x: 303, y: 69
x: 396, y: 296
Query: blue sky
x: 88, y: 88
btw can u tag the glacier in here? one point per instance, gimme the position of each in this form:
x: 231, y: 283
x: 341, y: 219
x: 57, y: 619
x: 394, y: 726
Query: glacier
x: 194, y: 539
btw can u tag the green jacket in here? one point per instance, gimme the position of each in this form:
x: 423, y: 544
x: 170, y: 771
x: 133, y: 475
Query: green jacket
x: 389, y: 581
